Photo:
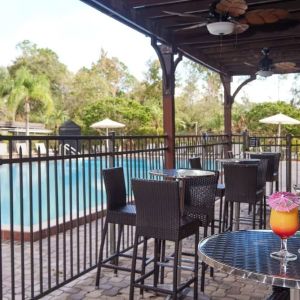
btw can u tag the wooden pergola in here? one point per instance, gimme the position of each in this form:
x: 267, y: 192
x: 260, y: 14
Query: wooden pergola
x: 166, y: 22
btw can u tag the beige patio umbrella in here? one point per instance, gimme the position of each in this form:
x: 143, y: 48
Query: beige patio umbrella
x: 107, y: 124
x: 280, y: 119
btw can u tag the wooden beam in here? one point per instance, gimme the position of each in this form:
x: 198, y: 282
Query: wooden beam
x: 251, y: 78
x: 168, y: 64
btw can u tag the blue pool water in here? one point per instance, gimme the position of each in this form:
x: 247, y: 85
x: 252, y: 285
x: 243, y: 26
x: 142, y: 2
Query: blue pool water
x: 76, y: 194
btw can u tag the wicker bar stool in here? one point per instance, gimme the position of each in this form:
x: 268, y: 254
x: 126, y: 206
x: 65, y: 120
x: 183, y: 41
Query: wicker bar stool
x: 195, y: 163
x: 245, y: 183
x: 273, y: 167
x: 199, y: 204
x: 118, y: 212
x: 159, y: 217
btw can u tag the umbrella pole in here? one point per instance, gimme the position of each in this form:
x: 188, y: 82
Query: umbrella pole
x: 107, y: 141
x: 279, y: 133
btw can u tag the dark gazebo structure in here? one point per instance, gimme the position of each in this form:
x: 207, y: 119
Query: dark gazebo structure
x: 180, y: 27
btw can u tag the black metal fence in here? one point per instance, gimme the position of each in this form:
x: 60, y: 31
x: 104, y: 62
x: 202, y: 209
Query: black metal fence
x: 52, y: 203
x: 52, y: 198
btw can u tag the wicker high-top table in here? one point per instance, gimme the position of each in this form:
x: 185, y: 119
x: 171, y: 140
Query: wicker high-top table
x: 247, y: 254
x: 180, y: 175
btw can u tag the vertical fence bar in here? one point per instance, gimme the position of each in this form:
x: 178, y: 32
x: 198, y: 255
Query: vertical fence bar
x: 32, y: 271
x: 84, y: 209
x: 48, y: 211
x: 112, y: 227
x: 77, y: 210
x: 12, y: 236
x: 64, y: 149
x: 90, y: 200
x: 288, y: 162
x: 96, y: 203
x: 22, y: 230
x: 40, y: 216
x: 71, y: 211
x: 57, y: 269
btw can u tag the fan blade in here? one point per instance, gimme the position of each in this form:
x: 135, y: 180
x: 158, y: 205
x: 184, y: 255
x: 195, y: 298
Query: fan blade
x: 285, y: 67
x: 178, y: 14
x: 191, y: 27
x: 265, y: 16
x: 249, y: 64
x: 234, y: 8
x: 292, y: 70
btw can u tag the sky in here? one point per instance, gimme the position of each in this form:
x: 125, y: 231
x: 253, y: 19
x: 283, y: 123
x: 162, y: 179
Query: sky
x: 77, y: 32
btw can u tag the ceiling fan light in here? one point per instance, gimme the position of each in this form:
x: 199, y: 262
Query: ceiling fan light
x: 220, y: 28
x: 264, y: 73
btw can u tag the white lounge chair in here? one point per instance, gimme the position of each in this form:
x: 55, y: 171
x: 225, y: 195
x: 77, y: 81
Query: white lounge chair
x: 22, y: 146
x: 3, y: 149
x: 41, y: 147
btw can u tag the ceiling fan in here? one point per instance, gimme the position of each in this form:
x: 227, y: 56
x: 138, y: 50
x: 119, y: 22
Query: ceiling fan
x: 232, y: 16
x: 267, y: 67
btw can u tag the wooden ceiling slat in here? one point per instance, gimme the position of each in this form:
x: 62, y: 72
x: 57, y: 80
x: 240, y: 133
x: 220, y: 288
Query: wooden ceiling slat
x: 148, y: 17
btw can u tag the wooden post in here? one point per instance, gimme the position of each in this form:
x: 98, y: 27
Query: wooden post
x: 168, y: 65
x: 228, y: 101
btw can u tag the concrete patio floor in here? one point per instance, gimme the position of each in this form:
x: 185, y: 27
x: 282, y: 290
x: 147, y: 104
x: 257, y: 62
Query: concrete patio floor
x: 221, y: 286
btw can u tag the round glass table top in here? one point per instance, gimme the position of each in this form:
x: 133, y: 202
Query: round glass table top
x: 247, y: 254
x: 180, y: 173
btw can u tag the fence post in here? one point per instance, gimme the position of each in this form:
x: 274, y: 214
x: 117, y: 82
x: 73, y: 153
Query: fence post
x: 111, y: 149
x: 288, y: 162
x: 111, y: 163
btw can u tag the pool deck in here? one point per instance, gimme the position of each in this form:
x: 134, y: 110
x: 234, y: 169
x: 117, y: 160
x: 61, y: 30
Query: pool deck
x: 221, y: 287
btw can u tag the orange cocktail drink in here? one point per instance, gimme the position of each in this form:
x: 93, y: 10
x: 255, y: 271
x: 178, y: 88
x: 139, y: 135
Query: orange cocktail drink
x: 284, y: 223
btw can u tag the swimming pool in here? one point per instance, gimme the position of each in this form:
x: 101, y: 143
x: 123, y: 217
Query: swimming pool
x: 72, y: 189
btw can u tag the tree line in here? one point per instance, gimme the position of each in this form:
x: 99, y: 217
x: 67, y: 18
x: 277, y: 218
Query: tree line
x: 39, y: 80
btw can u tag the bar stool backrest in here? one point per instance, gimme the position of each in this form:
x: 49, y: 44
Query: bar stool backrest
x: 273, y: 163
x: 195, y: 163
x: 157, y: 208
x: 200, y: 195
x: 241, y: 182
x: 115, y: 188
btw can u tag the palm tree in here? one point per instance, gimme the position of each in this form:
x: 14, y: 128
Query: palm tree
x: 29, y: 92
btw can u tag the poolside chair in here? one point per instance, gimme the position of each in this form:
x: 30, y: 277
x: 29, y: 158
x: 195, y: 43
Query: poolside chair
x: 4, y: 150
x: 22, y: 147
x: 41, y: 147
x: 158, y: 216
x: 120, y: 213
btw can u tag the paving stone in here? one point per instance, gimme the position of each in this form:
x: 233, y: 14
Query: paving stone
x: 111, y: 292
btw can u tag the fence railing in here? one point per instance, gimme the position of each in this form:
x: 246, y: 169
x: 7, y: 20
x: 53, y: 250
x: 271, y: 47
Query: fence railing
x: 52, y: 203
x: 52, y: 198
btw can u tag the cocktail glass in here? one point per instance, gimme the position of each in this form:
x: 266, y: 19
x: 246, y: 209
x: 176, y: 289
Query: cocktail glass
x: 284, y: 224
